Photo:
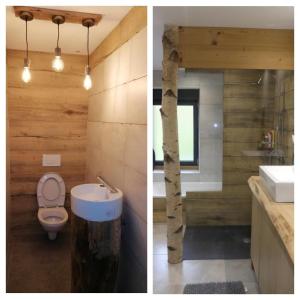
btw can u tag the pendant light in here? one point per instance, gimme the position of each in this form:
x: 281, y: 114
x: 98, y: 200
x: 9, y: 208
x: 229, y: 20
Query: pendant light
x: 58, y: 63
x: 26, y: 75
x: 87, y: 82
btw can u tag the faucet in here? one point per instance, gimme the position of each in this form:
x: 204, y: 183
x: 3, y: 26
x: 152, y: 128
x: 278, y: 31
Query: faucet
x: 104, y: 183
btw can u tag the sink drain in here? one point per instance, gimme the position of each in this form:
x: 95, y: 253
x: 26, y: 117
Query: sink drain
x: 246, y: 240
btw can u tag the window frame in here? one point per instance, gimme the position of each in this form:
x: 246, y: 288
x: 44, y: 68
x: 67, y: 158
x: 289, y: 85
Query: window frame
x: 189, y: 97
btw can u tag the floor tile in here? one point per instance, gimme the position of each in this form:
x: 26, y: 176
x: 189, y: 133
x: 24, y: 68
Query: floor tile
x: 168, y: 289
x: 171, y: 278
x: 252, y: 287
x: 239, y: 269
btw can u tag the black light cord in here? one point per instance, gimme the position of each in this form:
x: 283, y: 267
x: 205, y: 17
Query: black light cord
x: 88, y: 45
x: 26, y: 41
x: 57, y: 35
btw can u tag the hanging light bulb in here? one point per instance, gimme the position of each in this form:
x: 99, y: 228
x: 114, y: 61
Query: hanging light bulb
x: 26, y: 75
x: 58, y: 63
x: 87, y: 82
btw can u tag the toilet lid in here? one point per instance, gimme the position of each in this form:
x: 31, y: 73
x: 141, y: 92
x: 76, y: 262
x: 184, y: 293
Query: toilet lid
x: 51, y: 190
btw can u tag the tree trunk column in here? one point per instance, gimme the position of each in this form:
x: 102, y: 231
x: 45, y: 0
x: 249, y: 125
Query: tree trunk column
x: 170, y: 144
x: 95, y: 254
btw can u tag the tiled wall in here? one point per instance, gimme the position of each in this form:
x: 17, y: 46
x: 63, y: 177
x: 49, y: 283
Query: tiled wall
x: 117, y: 147
x: 210, y: 86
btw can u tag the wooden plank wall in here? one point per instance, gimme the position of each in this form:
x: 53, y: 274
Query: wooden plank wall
x: 236, y: 48
x: 284, y: 108
x: 48, y: 115
x: 243, y: 128
x: 245, y: 121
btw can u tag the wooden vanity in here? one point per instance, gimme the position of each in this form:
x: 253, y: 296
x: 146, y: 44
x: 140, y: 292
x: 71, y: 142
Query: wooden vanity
x: 272, y: 241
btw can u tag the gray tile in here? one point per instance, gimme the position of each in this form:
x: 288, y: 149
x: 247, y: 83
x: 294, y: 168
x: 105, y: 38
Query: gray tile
x: 165, y: 273
x: 252, y: 287
x: 239, y: 269
x: 168, y: 288
x: 160, y: 244
x: 171, y: 278
x: 160, y: 239
x: 203, y: 271
x: 216, y: 242
x: 187, y: 272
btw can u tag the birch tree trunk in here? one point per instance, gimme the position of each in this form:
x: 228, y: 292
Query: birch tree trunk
x: 170, y: 144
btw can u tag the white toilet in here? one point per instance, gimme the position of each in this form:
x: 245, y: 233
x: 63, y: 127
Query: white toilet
x: 51, y: 193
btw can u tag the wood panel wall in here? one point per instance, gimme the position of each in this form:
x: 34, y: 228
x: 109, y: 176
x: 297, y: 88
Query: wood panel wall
x: 243, y: 129
x: 284, y: 109
x: 48, y: 115
x: 236, y: 48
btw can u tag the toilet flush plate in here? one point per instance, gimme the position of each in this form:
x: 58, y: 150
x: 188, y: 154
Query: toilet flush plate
x: 51, y: 160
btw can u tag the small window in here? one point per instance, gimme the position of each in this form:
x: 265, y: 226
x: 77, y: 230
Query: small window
x: 188, y: 120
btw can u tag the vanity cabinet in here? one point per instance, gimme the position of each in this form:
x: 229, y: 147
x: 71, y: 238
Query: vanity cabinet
x: 273, y: 266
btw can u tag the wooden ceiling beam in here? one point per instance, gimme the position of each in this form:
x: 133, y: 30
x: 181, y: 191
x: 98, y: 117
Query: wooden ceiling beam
x: 47, y: 14
x: 236, y: 48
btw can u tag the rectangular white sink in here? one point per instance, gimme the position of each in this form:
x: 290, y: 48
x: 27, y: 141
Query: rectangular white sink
x: 279, y: 182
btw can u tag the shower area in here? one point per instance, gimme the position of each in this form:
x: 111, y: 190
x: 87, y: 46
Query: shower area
x: 258, y: 129
x: 246, y: 119
x: 262, y: 100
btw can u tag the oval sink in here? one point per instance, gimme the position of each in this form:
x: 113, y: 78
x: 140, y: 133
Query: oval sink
x: 93, y: 202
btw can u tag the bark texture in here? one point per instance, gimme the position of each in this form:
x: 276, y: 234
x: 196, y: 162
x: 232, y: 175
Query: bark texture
x: 170, y: 144
x: 95, y: 255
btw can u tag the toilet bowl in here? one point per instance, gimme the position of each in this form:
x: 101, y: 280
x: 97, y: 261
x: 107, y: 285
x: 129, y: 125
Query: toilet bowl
x: 51, y: 199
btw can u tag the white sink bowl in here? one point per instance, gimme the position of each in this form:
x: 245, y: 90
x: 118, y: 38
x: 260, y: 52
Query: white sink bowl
x: 93, y: 202
x: 279, y: 182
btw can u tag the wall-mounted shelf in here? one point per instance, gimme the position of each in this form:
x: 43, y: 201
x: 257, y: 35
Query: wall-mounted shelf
x: 47, y: 14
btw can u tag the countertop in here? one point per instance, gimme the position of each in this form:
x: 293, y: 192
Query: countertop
x: 281, y: 215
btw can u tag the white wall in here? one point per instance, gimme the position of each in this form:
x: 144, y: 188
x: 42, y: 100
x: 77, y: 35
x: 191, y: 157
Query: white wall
x: 210, y: 138
x: 117, y: 148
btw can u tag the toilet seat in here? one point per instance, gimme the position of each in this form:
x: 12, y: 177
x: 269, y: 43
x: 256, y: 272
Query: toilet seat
x: 52, y: 217
x: 51, y: 191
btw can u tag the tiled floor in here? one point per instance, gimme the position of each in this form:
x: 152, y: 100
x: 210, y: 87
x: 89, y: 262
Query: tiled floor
x: 171, y: 279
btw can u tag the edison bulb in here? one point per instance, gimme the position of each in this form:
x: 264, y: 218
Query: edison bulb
x: 87, y: 83
x: 26, y: 75
x: 58, y: 64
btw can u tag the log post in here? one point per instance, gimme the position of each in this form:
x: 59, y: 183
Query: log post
x: 170, y: 144
x: 95, y: 252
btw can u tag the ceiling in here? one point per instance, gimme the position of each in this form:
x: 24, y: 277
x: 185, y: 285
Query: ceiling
x: 42, y: 34
x: 280, y: 17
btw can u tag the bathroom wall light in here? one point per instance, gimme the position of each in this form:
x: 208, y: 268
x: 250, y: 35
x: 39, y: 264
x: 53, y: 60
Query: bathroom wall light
x: 87, y: 82
x: 58, y: 63
x: 26, y: 75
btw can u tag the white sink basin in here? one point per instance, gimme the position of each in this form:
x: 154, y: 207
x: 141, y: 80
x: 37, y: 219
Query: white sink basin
x: 278, y: 181
x: 95, y: 203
